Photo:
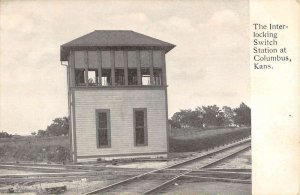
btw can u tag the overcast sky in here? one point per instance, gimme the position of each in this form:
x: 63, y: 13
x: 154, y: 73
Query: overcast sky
x: 209, y: 65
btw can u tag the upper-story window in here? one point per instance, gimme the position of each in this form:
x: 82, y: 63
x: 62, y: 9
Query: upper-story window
x: 119, y: 76
x: 157, y: 76
x: 93, y: 77
x: 145, y: 72
x: 79, y: 77
x: 117, y: 70
x: 106, y: 76
x: 132, y: 76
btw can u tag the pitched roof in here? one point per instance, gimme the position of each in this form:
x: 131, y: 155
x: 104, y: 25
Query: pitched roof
x: 113, y: 38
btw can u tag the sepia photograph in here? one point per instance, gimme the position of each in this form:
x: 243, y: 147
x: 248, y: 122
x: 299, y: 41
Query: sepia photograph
x: 125, y: 97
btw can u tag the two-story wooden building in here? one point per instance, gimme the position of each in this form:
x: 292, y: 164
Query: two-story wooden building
x: 117, y: 95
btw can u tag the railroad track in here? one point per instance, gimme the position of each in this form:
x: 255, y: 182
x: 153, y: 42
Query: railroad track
x: 36, y: 178
x: 154, y: 181
x: 146, y: 181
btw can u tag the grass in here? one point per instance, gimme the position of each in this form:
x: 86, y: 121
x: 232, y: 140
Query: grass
x: 189, y: 140
x: 29, y: 148
x: 57, y: 149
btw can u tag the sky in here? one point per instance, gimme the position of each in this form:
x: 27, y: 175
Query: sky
x: 209, y: 65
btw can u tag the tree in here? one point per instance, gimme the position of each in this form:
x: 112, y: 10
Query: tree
x: 212, y: 115
x: 33, y: 133
x: 227, y: 116
x: 174, y: 124
x: 5, y: 135
x: 42, y: 133
x: 242, y: 115
x: 59, y: 126
x: 186, y: 119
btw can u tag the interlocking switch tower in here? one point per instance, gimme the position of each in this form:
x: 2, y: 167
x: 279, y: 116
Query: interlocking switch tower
x: 117, y: 94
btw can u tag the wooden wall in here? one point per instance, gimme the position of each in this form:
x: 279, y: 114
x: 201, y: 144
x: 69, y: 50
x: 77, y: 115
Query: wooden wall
x: 121, y: 104
x: 145, y: 56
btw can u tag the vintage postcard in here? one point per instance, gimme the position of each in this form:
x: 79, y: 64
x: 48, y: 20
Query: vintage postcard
x: 149, y: 97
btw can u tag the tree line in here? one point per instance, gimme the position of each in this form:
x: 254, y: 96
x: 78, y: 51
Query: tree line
x: 212, y: 116
x: 201, y: 117
x: 5, y: 135
x: 58, y: 127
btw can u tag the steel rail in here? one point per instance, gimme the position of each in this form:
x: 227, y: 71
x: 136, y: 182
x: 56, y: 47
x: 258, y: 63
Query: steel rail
x: 208, y: 154
x: 226, y: 157
x: 224, y: 179
x: 161, y: 186
x: 165, y: 184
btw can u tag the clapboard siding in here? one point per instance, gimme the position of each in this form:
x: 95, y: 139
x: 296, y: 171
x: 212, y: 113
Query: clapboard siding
x: 121, y: 104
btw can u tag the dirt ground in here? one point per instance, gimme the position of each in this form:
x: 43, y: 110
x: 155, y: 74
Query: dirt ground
x: 242, y: 161
x: 79, y: 186
x: 208, y: 188
x: 74, y: 187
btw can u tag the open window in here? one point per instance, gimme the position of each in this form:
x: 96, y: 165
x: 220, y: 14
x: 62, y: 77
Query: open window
x: 106, y: 77
x: 92, y: 77
x: 119, y: 76
x: 157, y: 76
x: 132, y: 76
x: 145, y: 72
x: 103, y: 128
x: 140, y: 126
x: 79, y: 77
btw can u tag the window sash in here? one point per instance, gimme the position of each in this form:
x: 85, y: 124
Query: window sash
x: 79, y: 77
x: 132, y: 76
x: 140, y: 127
x: 106, y: 77
x: 93, y: 81
x: 103, y: 130
x: 119, y: 76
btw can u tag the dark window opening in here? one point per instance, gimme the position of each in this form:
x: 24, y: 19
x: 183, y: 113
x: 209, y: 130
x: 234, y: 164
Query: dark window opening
x: 103, y: 128
x: 145, y: 72
x: 157, y: 76
x: 106, y: 77
x: 79, y: 77
x: 93, y: 77
x: 119, y: 77
x: 132, y: 76
x: 140, y: 125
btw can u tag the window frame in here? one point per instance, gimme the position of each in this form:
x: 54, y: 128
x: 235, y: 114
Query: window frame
x: 96, y: 83
x: 107, y: 111
x: 145, y: 126
x: 160, y: 78
x: 123, y: 82
x: 110, y: 80
x: 136, y: 79
x: 144, y: 75
x: 75, y: 77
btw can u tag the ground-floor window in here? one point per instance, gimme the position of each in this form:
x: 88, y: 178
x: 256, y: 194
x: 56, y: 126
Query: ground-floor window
x: 140, y: 126
x: 103, y: 128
